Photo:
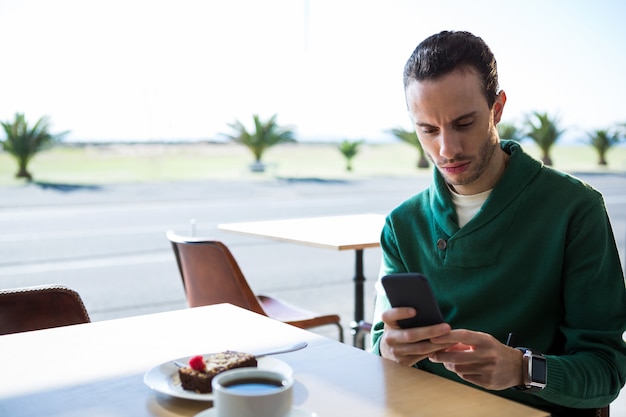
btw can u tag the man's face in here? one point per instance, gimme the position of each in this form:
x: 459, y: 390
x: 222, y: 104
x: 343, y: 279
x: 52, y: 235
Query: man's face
x: 457, y: 129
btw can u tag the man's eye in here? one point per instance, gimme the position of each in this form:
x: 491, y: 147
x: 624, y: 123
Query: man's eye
x: 427, y: 131
x: 465, y: 125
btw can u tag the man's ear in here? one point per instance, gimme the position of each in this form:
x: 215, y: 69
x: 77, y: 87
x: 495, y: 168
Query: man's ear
x: 498, y: 107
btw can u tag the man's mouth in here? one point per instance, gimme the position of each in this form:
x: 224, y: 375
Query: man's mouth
x: 457, y: 168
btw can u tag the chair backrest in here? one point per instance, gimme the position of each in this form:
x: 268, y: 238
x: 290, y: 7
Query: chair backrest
x: 40, y: 307
x: 211, y: 274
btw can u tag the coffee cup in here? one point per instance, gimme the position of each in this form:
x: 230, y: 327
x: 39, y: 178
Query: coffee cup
x: 252, y: 392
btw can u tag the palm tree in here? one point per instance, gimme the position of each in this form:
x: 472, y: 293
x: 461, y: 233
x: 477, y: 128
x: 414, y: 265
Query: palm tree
x: 509, y: 131
x: 23, y: 142
x: 349, y: 150
x: 545, y: 132
x: 603, y: 140
x: 410, y: 137
x: 265, y: 135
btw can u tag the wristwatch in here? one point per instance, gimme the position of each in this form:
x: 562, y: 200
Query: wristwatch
x: 534, y: 371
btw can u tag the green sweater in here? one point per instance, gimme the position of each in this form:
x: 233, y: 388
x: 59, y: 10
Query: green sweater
x: 539, y: 260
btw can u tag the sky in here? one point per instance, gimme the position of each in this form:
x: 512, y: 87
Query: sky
x: 152, y: 70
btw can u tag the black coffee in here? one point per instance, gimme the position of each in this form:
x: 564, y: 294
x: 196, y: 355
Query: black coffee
x: 254, y: 385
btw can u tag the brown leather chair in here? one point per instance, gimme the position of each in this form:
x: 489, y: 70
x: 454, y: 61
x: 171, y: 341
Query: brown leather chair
x: 211, y: 275
x: 40, y: 307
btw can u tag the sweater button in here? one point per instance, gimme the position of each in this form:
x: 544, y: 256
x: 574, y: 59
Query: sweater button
x: 441, y: 244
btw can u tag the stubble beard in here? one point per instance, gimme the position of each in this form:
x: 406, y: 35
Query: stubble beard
x: 481, y: 164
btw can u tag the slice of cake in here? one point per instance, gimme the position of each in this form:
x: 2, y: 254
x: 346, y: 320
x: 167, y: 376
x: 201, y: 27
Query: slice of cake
x: 201, y: 370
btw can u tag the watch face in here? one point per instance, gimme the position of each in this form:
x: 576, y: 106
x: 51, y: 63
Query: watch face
x: 539, y: 368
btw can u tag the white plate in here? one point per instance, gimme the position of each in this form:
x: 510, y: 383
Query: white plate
x: 164, y: 378
x: 295, y: 412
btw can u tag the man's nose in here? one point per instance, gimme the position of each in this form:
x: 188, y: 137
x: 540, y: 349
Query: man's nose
x: 451, y: 145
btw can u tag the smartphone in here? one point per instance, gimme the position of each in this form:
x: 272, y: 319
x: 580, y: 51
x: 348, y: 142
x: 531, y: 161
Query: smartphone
x: 413, y: 290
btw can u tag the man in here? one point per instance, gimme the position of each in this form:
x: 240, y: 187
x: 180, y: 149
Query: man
x: 510, y: 247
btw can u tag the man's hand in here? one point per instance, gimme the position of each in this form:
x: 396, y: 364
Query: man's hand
x: 409, y: 346
x: 479, y: 358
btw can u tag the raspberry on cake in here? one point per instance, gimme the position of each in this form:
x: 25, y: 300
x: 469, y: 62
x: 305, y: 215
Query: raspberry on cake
x: 197, y: 363
x: 194, y: 378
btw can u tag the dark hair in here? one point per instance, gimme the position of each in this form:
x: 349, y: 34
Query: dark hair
x: 441, y: 54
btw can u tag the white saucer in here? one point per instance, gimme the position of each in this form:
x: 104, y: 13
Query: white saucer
x: 164, y: 378
x: 295, y: 412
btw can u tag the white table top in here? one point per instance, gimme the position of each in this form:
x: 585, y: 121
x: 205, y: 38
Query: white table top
x: 357, y: 231
x: 97, y: 369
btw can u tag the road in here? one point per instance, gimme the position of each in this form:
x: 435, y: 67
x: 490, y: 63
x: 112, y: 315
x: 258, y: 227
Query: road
x: 109, y: 242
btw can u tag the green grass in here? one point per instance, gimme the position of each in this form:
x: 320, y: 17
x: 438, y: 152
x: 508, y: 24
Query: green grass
x: 106, y: 164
